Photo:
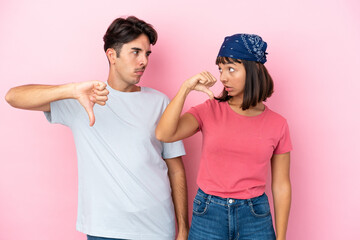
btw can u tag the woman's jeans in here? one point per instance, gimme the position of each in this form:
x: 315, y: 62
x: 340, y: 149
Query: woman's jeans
x: 231, y: 219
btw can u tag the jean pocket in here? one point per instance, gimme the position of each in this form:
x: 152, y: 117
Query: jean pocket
x: 260, y: 209
x: 199, y: 205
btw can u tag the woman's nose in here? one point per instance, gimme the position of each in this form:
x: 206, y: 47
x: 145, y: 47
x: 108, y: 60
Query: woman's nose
x: 223, y: 78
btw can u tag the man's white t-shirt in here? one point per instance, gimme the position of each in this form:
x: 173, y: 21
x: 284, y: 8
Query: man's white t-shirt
x: 124, y: 190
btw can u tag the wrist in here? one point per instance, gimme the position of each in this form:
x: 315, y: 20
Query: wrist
x: 185, y: 89
x: 183, y: 232
x: 280, y: 237
x: 64, y: 91
x: 183, y: 227
x: 72, y: 89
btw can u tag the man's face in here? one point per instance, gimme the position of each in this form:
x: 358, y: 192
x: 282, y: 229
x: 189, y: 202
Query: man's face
x: 133, y: 59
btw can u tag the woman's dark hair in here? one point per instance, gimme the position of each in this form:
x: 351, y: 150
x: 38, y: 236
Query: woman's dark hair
x: 258, y: 84
x: 123, y: 30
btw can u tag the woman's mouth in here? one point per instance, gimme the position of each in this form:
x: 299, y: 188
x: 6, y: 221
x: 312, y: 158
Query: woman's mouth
x: 228, y: 89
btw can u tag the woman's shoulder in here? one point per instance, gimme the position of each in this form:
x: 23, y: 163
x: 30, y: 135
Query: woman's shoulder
x: 211, y: 103
x: 275, y: 116
x: 214, y: 102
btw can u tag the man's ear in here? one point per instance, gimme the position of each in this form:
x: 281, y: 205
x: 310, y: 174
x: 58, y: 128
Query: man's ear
x: 111, y: 55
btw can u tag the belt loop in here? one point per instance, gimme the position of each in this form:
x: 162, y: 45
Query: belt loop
x: 249, y: 202
x: 208, y: 199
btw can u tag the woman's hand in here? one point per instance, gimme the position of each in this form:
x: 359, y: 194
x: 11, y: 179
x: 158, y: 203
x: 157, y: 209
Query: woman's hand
x: 201, y: 82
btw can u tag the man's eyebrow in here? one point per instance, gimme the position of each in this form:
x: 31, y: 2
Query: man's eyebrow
x: 135, y: 48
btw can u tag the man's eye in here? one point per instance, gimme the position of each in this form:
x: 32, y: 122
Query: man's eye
x: 136, y: 52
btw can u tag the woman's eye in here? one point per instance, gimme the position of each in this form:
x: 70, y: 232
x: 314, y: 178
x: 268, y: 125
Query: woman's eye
x: 231, y: 69
x: 220, y: 70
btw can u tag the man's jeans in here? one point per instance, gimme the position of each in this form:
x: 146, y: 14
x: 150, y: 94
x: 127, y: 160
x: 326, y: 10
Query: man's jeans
x: 231, y: 219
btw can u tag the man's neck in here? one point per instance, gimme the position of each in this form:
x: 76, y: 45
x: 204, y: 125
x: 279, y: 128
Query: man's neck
x: 121, y: 85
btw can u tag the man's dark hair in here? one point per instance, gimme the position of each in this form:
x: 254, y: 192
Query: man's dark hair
x: 124, y: 30
x: 258, y: 84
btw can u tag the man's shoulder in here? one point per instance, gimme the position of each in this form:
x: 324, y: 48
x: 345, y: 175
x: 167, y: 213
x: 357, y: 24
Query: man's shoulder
x: 155, y: 93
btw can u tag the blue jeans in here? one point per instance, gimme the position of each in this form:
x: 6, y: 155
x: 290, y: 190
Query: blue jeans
x: 231, y: 219
x: 101, y: 238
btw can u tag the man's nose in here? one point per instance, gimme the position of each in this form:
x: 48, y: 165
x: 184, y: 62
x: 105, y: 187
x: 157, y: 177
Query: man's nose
x: 144, y: 60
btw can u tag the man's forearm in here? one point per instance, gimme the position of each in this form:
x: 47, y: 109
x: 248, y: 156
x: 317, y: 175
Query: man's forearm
x: 177, y: 179
x: 38, y: 97
x: 179, y: 194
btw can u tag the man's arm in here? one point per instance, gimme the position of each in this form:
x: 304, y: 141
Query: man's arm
x: 39, y: 97
x: 179, y: 194
x: 281, y: 189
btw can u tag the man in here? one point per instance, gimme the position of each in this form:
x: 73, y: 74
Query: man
x: 124, y: 187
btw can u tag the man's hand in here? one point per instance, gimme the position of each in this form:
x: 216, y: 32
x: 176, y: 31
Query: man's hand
x: 201, y: 82
x: 89, y: 93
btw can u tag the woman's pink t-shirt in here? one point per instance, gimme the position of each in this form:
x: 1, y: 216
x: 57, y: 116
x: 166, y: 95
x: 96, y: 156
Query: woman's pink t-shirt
x: 237, y: 149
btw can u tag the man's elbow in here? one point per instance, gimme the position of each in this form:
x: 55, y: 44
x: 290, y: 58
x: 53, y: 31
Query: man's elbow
x: 9, y: 97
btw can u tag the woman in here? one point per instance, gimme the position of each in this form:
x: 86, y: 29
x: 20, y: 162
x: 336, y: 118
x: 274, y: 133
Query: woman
x: 241, y: 137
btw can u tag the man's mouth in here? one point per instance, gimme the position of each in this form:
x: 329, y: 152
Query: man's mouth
x: 139, y: 71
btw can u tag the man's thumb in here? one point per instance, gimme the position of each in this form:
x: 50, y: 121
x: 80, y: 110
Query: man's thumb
x: 91, y: 115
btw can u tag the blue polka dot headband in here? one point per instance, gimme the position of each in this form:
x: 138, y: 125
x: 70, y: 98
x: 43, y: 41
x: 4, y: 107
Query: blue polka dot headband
x: 243, y: 46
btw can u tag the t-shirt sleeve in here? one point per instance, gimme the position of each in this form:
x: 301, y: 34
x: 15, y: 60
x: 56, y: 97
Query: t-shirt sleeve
x: 63, y: 111
x: 172, y: 150
x: 199, y: 112
x: 284, y: 145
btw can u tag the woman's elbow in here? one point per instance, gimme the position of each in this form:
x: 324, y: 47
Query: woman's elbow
x: 160, y: 135
x: 283, y: 186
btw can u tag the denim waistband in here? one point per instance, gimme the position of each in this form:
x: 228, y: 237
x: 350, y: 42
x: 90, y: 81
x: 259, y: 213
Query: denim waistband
x: 229, y: 201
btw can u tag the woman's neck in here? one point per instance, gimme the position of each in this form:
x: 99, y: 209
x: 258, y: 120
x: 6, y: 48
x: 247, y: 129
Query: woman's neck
x: 235, y: 105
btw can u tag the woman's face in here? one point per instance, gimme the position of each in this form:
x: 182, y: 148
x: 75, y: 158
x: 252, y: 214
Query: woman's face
x: 232, y: 76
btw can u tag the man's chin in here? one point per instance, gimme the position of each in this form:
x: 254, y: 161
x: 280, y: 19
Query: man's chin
x: 136, y: 81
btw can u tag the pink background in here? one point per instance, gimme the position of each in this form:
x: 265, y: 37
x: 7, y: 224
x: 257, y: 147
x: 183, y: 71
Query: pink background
x: 314, y: 58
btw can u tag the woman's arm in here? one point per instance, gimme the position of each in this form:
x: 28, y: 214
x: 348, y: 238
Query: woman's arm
x: 171, y: 126
x: 281, y: 190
